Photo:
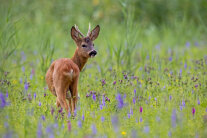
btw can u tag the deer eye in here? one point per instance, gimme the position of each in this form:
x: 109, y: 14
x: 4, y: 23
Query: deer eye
x: 84, y: 46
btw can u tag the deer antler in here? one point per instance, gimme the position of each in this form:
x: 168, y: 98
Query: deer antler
x: 76, y: 27
x: 89, y: 28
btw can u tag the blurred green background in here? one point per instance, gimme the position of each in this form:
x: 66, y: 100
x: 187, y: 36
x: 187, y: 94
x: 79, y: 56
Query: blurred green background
x: 43, y: 28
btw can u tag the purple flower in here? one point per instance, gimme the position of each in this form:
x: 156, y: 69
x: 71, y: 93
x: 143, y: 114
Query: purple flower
x: 181, y: 108
x: 69, y: 114
x: 61, y: 110
x: 196, y: 86
x: 173, y: 118
x: 93, y: 128
x: 183, y: 103
x: 52, y: 110
x: 103, y: 82
x: 3, y: 100
x: 40, y: 103
x: 26, y: 86
x: 69, y: 125
x: 149, y: 97
x: 199, y: 102
x: 29, y: 97
x: 170, y: 59
x: 146, y: 129
x: 50, y: 131
x: 170, y: 97
x: 181, y: 71
x: 193, y: 111
x: 94, y: 97
x: 83, y: 118
x: 102, y: 119
x: 114, y: 82
x: 170, y: 134
x: 23, y: 69
x: 39, y: 131
x: 134, y: 100
x: 128, y: 115
x: 196, y: 44
x: 131, y: 111
x: 45, y: 94
x: 101, y: 106
x: 79, y: 123
x: 120, y: 101
x: 140, y: 109
x: 107, y: 99
x: 187, y: 44
x: 135, y: 92
x: 140, y: 119
x: 35, y: 95
x: 185, y: 65
x: 43, y: 117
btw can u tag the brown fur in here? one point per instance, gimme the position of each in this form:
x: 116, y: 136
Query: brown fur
x: 62, y: 76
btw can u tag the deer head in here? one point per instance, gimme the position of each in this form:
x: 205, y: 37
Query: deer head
x: 85, y: 46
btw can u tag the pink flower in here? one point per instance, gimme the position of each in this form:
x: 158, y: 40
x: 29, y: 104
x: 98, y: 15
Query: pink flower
x: 140, y: 109
x: 193, y: 110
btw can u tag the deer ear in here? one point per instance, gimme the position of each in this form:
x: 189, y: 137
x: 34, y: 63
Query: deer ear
x: 94, y: 33
x: 74, y: 34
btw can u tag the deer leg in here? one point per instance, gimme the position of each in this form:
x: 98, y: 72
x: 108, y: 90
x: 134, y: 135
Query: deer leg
x: 57, y: 103
x: 74, y: 93
x: 61, y: 96
x: 69, y: 98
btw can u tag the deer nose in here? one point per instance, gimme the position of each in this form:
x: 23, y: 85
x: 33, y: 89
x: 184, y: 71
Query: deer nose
x: 92, y: 53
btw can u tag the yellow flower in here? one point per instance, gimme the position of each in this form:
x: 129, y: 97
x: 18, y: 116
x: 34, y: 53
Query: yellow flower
x: 168, y: 74
x: 123, y: 133
x: 141, y: 81
x: 14, y: 81
x: 42, y: 77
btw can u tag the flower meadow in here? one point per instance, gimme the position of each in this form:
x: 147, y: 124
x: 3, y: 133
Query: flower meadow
x: 146, y: 80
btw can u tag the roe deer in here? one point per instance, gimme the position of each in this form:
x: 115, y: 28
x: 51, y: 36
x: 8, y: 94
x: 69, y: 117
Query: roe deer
x: 62, y: 76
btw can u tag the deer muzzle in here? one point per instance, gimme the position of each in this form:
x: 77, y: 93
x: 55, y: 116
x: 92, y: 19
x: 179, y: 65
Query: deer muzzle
x: 92, y: 53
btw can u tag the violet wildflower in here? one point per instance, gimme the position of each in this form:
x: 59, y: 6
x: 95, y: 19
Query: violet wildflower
x: 181, y: 107
x: 3, y: 100
x: 60, y: 111
x: 26, y: 86
x: 170, y: 134
x: 114, y: 82
x: 170, y: 97
x: 69, y: 114
x: 50, y: 132
x: 93, y: 128
x: 7, y: 94
x: 131, y: 111
x: 140, y: 109
x: 43, y: 117
x: 94, y: 97
x: 134, y: 100
x: 183, y: 103
x: 23, y: 69
x: 101, y: 106
x: 135, y: 92
x: 196, y: 86
x: 107, y: 99
x: 120, y: 101
x: 146, y: 129
x: 173, y: 118
x: 193, y: 111
x: 45, y: 94
x: 128, y: 115
x: 29, y: 97
x: 52, y: 110
x: 103, y: 82
x: 102, y: 119
x: 170, y: 58
x: 69, y: 125
x: 87, y: 95
x: 79, y: 123
x: 40, y: 103
x: 35, y: 95
x: 140, y: 119
x: 83, y: 118
x: 185, y: 65
x: 149, y: 97
x: 187, y: 44
x: 199, y: 102
x: 39, y: 131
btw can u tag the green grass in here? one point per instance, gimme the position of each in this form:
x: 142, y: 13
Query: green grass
x: 165, y: 64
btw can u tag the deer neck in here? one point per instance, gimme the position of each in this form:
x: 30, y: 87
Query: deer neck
x: 79, y: 60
